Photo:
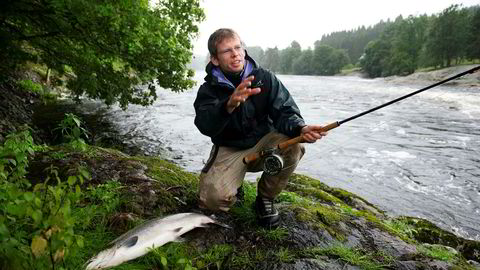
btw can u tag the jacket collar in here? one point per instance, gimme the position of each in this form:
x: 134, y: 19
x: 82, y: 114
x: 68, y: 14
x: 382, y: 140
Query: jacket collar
x: 216, y: 76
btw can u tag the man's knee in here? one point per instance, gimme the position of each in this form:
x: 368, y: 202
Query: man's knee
x: 294, y: 152
x: 216, y: 201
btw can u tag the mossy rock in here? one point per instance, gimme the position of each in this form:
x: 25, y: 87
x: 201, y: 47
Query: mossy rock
x: 427, y: 232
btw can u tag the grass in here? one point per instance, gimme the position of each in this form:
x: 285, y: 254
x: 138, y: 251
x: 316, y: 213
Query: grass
x: 169, y: 256
x: 215, y: 256
x: 401, y: 228
x: 353, y: 256
x: 275, y: 235
x: 284, y: 255
x: 438, y: 252
x: 243, y: 213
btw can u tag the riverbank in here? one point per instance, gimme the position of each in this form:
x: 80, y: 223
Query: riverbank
x: 430, y: 77
x: 322, y: 227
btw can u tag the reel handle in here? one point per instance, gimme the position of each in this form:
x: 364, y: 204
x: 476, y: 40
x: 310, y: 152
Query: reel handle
x: 254, y: 156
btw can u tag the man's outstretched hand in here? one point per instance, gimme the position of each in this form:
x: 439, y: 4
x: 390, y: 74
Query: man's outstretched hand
x: 312, y: 133
x: 241, y: 94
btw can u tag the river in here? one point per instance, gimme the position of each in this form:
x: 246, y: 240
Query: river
x: 419, y: 157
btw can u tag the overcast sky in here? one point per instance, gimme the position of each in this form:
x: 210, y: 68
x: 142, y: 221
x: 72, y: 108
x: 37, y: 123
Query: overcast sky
x: 270, y: 23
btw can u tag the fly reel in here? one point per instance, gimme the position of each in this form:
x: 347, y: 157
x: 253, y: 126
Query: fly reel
x: 272, y: 164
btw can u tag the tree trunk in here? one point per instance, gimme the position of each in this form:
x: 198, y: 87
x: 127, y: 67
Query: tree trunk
x: 47, y: 80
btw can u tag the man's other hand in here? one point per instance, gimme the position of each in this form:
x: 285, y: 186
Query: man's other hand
x: 241, y: 94
x: 312, y: 133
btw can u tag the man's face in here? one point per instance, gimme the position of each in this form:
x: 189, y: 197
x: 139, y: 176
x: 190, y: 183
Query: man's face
x: 230, y: 55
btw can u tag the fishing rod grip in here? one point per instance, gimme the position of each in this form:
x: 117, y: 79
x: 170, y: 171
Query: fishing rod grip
x: 300, y: 139
x: 254, y: 156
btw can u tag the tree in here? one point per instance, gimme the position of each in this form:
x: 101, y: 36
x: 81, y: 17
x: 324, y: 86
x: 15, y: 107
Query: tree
x: 272, y: 59
x: 257, y: 54
x: 473, y: 38
x: 328, y: 60
x: 447, y: 36
x: 374, y: 60
x: 288, y: 56
x: 303, y: 65
x: 407, y: 41
x: 112, y: 48
x: 354, y: 41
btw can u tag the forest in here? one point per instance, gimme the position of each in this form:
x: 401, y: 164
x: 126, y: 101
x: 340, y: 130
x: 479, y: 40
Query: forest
x: 388, y: 48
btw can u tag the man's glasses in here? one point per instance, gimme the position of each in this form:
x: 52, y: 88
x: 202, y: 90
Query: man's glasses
x: 237, y: 49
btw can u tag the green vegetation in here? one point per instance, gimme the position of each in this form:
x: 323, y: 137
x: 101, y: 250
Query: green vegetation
x: 400, y: 227
x: 36, y: 225
x: 438, y: 252
x: 276, y: 235
x: 284, y: 255
x: 417, y: 42
x: 354, y: 256
x: 65, y: 220
x: 396, y: 47
x: 243, y: 212
x: 114, y: 51
x: 169, y: 256
x: 30, y: 86
x: 72, y: 132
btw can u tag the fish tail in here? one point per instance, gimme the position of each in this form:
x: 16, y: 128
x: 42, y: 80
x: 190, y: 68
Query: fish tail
x: 223, y: 225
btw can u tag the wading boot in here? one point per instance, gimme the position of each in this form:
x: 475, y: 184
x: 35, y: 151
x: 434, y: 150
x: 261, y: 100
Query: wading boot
x: 240, y: 196
x: 266, y: 213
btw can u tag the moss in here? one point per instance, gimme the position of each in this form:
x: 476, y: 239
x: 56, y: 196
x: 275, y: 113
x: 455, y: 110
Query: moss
x: 168, y: 174
x: 427, y: 232
x: 438, y: 252
x: 352, y: 256
x: 321, y: 217
x: 312, y: 187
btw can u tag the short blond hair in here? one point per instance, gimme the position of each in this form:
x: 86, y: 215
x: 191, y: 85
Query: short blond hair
x: 217, y: 37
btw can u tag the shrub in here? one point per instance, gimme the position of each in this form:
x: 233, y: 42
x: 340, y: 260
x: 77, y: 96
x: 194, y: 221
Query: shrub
x: 30, y: 86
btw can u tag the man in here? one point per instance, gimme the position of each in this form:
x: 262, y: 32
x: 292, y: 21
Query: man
x: 245, y: 109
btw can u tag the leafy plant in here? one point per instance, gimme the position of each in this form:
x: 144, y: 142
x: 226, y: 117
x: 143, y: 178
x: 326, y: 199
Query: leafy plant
x: 36, y: 225
x: 73, y: 132
x: 14, y: 156
x: 170, y: 256
x: 105, y: 195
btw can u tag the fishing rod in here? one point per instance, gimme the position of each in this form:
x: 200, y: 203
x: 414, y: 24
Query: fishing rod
x: 273, y: 163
